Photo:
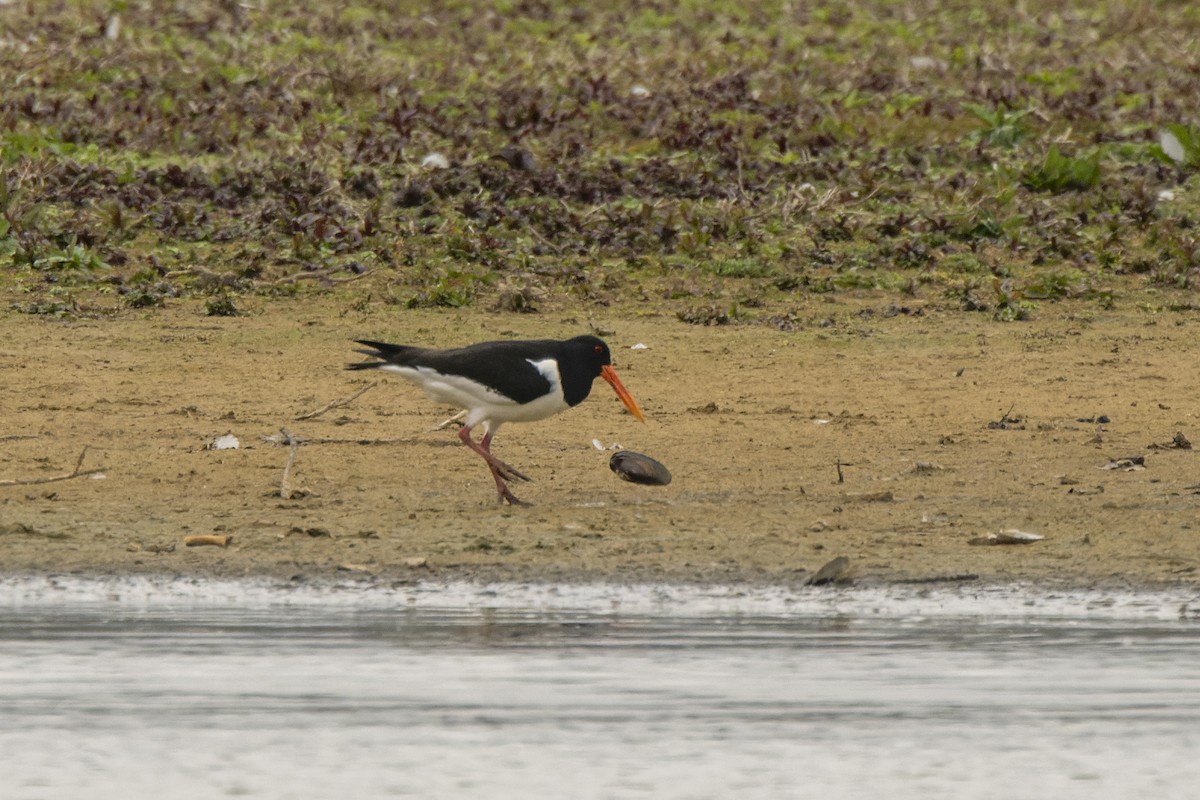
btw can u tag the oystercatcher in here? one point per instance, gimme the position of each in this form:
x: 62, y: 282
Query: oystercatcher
x: 507, y: 381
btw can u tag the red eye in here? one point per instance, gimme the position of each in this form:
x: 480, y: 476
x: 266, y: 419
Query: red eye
x: 599, y: 349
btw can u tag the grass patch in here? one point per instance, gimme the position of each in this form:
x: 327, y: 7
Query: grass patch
x: 449, y: 156
x: 1059, y: 173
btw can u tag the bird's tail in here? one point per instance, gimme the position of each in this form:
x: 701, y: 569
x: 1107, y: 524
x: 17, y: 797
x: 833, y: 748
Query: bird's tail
x: 386, y: 353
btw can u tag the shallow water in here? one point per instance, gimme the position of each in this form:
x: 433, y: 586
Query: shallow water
x: 165, y: 689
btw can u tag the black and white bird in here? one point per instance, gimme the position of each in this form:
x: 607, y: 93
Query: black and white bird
x: 505, y: 381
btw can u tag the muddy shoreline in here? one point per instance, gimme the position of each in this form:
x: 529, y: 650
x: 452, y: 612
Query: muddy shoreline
x: 944, y: 427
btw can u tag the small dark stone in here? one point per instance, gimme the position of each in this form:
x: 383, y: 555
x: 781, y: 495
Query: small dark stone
x: 832, y: 572
x: 518, y: 158
x: 413, y: 195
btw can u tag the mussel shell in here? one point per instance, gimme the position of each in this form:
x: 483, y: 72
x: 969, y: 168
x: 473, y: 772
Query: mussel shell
x: 639, y: 468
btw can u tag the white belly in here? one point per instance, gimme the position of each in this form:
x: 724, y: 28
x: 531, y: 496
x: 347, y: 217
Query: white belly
x: 483, y: 404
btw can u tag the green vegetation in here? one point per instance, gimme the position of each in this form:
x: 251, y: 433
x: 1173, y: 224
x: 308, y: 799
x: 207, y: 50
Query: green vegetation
x: 1179, y: 144
x: 1059, y: 173
x: 717, y: 160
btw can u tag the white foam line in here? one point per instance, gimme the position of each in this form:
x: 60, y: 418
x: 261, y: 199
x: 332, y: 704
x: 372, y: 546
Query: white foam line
x: 910, y: 602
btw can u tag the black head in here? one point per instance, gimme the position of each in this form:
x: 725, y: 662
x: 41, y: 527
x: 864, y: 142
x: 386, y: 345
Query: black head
x: 581, y: 361
x: 590, y: 351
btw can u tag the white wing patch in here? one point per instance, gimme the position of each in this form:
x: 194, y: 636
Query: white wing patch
x: 484, y: 404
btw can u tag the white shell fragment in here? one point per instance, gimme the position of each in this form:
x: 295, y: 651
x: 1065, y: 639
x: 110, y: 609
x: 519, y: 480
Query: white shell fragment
x: 226, y: 442
x: 1171, y: 145
x: 1007, y: 536
x: 1130, y: 464
x: 1014, y: 536
x: 435, y: 161
x: 639, y: 91
x: 639, y: 346
x: 925, y: 62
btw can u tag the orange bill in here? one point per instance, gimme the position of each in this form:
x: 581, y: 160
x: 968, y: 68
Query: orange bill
x: 610, y: 375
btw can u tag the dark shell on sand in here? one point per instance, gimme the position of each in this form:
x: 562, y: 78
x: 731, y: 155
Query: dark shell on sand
x: 639, y: 468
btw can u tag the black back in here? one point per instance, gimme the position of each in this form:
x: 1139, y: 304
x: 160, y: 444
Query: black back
x: 505, y: 365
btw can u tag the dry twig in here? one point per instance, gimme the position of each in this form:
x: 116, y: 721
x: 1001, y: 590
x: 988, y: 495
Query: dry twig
x: 285, y: 438
x: 75, y: 473
x: 323, y: 275
x: 457, y: 419
x: 338, y: 403
x: 216, y: 540
x: 285, y: 491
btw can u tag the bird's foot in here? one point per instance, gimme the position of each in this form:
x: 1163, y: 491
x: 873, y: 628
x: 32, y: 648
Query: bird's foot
x: 484, y: 448
x: 507, y: 472
x: 503, y: 493
x: 508, y: 497
x: 501, y: 472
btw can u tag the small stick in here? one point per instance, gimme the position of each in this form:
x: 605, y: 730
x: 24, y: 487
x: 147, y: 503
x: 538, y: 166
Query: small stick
x: 284, y: 437
x: 284, y: 490
x: 287, y: 438
x: 79, y: 461
x: 338, y: 403
x: 334, y: 440
x: 961, y: 576
x: 841, y: 477
x: 75, y: 473
x: 325, y: 275
x: 455, y: 420
x: 217, y: 540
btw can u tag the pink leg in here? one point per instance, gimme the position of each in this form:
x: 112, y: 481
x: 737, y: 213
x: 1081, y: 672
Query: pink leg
x: 500, y: 471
